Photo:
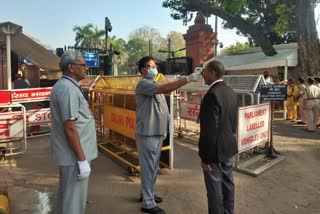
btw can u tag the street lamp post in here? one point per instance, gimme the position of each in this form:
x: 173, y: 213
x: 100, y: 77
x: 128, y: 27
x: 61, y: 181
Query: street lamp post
x: 216, y: 42
x: 108, y: 28
x: 8, y: 29
x: 171, y: 53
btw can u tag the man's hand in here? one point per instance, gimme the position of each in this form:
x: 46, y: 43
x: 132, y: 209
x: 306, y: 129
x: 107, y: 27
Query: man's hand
x: 194, y: 77
x: 84, y: 169
x: 206, y: 167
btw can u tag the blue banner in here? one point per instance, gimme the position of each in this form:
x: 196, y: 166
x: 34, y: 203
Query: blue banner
x: 92, y: 59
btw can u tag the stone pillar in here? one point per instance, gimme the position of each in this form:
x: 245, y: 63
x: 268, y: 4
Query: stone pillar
x: 200, y: 40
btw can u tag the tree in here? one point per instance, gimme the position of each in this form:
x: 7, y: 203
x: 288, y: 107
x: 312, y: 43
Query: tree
x: 177, y: 43
x: 235, y: 49
x: 119, y: 45
x: 97, y: 38
x: 149, y: 34
x: 264, y: 21
x: 230, y: 11
x: 88, y: 36
x: 308, y: 42
x: 136, y: 49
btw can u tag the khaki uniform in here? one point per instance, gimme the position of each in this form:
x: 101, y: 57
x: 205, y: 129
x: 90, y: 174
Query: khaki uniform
x: 302, y: 110
x: 312, y: 102
x: 318, y: 123
x: 292, y: 102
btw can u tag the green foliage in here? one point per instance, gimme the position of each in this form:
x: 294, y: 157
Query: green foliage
x: 286, y: 17
x: 136, y: 49
x: 118, y: 44
x: 177, y: 42
x: 88, y: 36
x: 235, y: 49
x: 275, y: 18
x: 149, y: 34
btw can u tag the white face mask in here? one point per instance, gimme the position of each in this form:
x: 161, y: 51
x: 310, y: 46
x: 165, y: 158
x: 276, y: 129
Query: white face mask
x: 152, y: 73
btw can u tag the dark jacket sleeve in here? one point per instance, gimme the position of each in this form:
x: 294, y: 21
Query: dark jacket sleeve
x: 210, y: 112
x: 218, y: 124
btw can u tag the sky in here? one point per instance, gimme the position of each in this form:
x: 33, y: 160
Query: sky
x: 52, y: 22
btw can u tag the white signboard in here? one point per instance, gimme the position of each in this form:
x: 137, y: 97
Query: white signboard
x: 38, y: 116
x: 11, y: 126
x: 189, y: 111
x: 254, y: 126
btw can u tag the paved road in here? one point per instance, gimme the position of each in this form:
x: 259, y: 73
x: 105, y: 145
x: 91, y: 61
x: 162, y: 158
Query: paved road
x: 292, y: 186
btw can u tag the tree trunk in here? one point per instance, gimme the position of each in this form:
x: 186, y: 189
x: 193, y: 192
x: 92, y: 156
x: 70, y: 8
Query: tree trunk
x: 240, y: 23
x: 308, y: 42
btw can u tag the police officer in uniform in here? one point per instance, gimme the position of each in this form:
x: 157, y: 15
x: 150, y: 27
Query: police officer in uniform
x: 311, y: 99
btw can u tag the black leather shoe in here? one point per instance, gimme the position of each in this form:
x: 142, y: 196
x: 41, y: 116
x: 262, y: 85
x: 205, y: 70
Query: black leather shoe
x: 153, y: 210
x: 157, y: 199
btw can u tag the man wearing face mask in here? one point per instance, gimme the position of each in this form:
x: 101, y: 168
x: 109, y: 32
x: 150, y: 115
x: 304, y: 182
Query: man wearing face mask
x: 152, y: 124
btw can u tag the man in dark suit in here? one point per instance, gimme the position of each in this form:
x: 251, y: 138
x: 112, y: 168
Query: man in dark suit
x: 217, y: 143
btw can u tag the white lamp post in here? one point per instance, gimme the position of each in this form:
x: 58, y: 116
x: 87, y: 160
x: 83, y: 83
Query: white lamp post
x: 9, y: 29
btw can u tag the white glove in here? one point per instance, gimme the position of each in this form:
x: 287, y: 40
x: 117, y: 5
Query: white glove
x: 198, y: 70
x: 194, y: 77
x: 84, y: 169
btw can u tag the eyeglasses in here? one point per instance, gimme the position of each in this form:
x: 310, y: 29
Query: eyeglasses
x: 84, y: 65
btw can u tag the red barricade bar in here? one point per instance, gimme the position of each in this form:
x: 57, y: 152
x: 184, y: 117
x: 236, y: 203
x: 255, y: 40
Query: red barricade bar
x: 5, y: 97
x: 18, y: 95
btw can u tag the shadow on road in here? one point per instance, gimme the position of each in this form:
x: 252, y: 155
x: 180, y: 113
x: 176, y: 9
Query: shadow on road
x: 286, y: 128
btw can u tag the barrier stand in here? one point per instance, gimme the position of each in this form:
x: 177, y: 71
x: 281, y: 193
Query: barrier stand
x: 270, y: 149
x: 36, y: 118
x: 96, y: 104
x: 246, y: 87
x: 255, y: 128
x: 117, y: 121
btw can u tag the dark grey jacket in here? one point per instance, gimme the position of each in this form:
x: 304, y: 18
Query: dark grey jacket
x: 218, y: 124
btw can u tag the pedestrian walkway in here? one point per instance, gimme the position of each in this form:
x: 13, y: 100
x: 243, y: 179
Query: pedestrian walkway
x: 292, y: 186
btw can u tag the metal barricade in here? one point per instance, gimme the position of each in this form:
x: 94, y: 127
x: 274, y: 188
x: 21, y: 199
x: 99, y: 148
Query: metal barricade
x: 18, y: 121
x: 13, y: 137
x: 112, y: 102
x: 36, y: 102
x: 247, y: 87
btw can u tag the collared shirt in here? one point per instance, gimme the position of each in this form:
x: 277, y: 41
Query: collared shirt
x: 152, y: 113
x: 212, y: 84
x: 302, y: 89
x: 67, y: 102
x: 312, y: 92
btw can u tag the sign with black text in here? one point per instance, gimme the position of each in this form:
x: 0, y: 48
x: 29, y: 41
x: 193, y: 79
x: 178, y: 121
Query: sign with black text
x: 254, y: 126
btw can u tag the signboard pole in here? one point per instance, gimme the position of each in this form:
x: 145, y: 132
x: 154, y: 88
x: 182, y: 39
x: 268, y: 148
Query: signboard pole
x: 271, y: 149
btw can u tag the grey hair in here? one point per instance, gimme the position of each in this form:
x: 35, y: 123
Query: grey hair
x: 69, y: 57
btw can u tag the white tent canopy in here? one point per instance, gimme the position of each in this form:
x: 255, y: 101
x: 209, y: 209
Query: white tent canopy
x: 251, y: 61
x: 254, y: 58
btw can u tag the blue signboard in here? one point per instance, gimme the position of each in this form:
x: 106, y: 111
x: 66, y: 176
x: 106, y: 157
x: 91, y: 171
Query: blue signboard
x: 92, y: 59
x: 25, y: 61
